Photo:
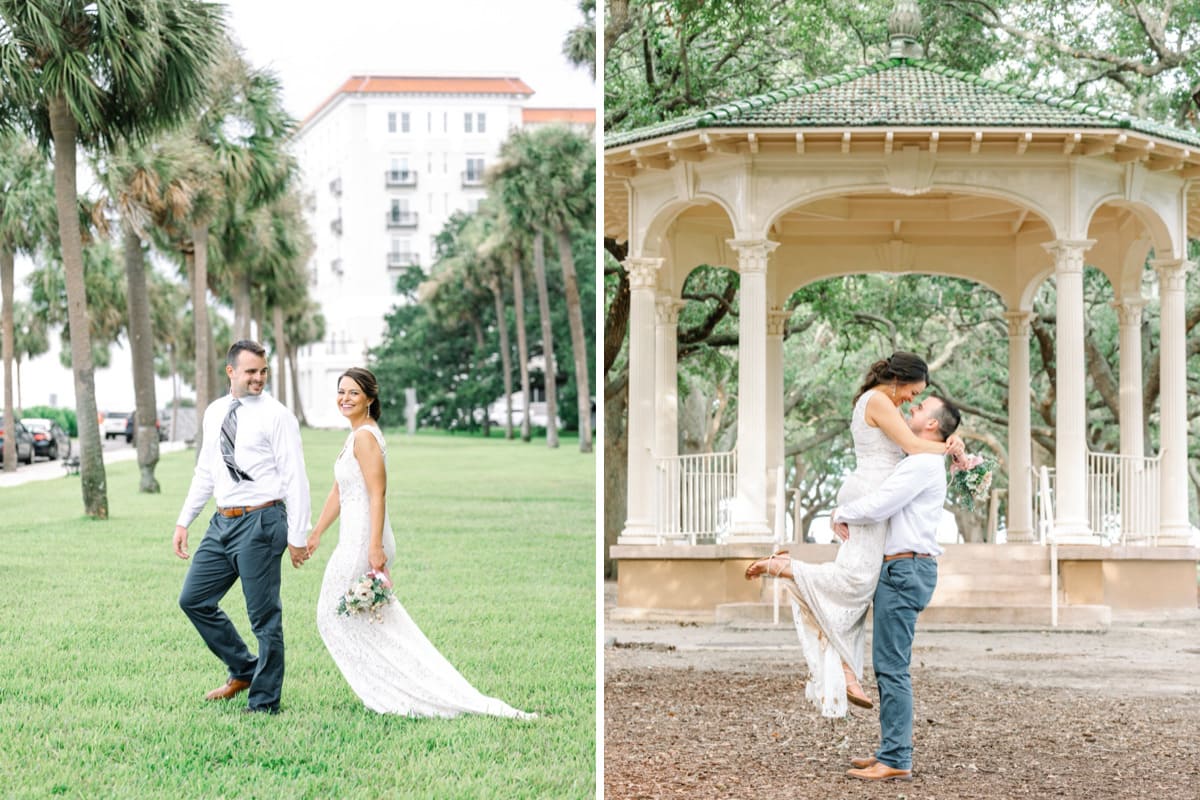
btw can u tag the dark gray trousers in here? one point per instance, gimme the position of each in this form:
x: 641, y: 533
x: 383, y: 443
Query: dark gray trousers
x: 247, y: 547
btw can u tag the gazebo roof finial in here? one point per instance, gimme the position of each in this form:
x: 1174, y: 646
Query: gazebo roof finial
x: 904, y: 27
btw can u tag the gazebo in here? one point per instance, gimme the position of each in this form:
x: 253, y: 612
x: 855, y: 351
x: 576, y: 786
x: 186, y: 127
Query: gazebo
x: 902, y: 166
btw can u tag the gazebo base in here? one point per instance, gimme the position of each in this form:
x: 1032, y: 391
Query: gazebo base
x: 977, y: 583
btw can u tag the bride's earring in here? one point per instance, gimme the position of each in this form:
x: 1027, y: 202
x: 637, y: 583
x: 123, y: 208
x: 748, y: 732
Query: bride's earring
x: 893, y: 391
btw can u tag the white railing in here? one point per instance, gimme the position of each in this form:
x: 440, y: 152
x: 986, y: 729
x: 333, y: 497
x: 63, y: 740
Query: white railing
x: 1122, y: 497
x: 1044, y: 500
x: 695, y: 496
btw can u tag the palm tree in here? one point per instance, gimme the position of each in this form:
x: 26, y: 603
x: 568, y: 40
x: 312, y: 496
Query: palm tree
x: 30, y: 339
x: 580, y: 45
x: 92, y: 73
x: 303, y: 325
x: 25, y: 201
x: 546, y: 180
x: 492, y: 268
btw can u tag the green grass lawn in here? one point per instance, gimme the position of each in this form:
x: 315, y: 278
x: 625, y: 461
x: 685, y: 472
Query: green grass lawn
x: 102, y: 677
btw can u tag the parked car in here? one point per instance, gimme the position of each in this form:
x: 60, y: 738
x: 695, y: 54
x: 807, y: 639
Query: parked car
x: 24, y: 443
x: 130, y: 428
x: 49, y: 438
x: 112, y: 423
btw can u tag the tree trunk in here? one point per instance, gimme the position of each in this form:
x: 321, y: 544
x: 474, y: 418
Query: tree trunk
x: 296, y: 389
x: 174, y: 395
x: 141, y: 346
x: 280, y: 354
x: 241, y: 306
x: 20, y: 404
x: 578, y: 341
x: 480, y: 360
x: 200, y: 327
x: 550, y: 370
x: 522, y: 346
x: 505, y: 352
x: 92, y: 480
x: 10, y: 415
x: 616, y: 470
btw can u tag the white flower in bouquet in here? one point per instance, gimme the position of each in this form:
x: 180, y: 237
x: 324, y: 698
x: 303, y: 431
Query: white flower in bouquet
x: 368, y: 594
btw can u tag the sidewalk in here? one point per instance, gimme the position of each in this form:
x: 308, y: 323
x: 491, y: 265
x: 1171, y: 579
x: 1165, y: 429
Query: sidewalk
x: 47, y: 470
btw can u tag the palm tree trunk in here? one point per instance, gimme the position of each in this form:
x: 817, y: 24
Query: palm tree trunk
x: 174, y: 395
x: 280, y: 353
x: 141, y: 346
x: 64, y: 129
x: 200, y: 325
x: 505, y: 352
x: 19, y: 403
x: 578, y: 342
x: 10, y: 416
x: 241, y: 306
x: 480, y: 358
x: 550, y: 369
x: 296, y: 389
x: 522, y: 345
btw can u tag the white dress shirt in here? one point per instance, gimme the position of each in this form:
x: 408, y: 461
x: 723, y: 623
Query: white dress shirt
x: 911, y: 500
x: 268, y: 448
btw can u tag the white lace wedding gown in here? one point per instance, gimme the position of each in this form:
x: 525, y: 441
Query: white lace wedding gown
x: 389, y: 664
x: 830, y: 600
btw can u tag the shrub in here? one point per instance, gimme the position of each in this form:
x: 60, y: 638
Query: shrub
x: 63, y: 416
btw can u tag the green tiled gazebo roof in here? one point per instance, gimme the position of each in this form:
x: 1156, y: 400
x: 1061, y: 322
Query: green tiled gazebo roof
x: 902, y: 92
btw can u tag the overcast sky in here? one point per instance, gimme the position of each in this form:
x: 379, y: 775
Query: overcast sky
x: 315, y: 45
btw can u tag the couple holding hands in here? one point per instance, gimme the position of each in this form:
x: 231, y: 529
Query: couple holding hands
x: 252, y: 463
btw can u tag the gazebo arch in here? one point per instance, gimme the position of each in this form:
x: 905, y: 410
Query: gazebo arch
x: 849, y: 173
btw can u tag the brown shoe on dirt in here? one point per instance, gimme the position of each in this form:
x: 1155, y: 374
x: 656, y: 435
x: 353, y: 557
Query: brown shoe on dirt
x: 863, y: 763
x: 232, y: 688
x: 880, y: 772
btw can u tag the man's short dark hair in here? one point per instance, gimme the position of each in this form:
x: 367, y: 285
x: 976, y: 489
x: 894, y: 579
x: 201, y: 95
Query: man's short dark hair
x: 245, y: 344
x: 947, y: 415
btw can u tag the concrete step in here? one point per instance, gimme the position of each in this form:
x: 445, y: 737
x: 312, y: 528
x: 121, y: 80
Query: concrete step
x: 1024, y: 596
x: 960, y: 565
x: 996, y: 582
x: 1023, y: 615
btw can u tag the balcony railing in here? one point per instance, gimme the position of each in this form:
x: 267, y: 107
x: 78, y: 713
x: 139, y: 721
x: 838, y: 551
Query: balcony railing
x: 401, y: 219
x: 1122, y: 498
x: 472, y: 179
x: 400, y: 177
x: 695, y: 495
x: 336, y: 226
x: 395, y: 259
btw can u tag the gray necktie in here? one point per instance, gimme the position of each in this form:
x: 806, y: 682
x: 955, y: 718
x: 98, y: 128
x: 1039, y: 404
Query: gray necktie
x: 228, y: 436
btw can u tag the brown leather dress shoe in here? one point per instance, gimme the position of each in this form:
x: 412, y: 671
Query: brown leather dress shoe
x: 880, y: 772
x: 863, y: 763
x: 232, y: 688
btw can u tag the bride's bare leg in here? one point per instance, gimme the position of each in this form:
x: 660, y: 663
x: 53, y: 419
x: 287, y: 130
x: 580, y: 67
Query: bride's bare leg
x: 778, y: 565
x: 854, y: 691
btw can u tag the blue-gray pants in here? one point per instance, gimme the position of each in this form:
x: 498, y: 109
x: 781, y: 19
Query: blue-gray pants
x: 247, y: 547
x: 905, y: 586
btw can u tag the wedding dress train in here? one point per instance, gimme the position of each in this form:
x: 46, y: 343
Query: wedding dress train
x: 389, y: 664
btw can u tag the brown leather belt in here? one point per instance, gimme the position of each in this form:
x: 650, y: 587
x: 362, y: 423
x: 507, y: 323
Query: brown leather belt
x: 897, y: 556
x: 238, y: 511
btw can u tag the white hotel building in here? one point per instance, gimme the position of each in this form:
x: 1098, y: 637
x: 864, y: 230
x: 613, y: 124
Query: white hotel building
x: 386, y: 161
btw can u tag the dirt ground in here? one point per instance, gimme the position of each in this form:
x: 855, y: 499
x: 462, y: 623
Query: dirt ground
x: 704, y: 711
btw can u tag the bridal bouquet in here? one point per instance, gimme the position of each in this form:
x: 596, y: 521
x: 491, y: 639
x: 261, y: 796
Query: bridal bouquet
x: 970, y: 482
x: 367, y: 595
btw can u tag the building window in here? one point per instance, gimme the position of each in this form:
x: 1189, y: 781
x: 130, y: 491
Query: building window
x: 391, y: 122
x: 473, y: 174
x: 468, y: 118
x: 481, y: 122
x: 429, y: 124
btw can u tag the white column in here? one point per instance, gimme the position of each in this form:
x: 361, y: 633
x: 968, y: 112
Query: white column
x: 749, y: 522
x: 1020, y: 449
x: 776, y: 323
x: 1173, y: 528
x: 640, y: 513
x: 1070, y: 459
x: 666, y: 382
x: 1132, y: 485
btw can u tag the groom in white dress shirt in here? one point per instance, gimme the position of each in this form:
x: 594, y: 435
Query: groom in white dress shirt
x: 251, y: 461
x: 911, y: 500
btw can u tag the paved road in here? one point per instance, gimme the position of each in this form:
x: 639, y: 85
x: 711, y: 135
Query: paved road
x: 43, y: 469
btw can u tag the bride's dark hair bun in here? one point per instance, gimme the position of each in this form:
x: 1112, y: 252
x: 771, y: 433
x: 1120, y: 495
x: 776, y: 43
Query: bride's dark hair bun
x: 366, y: 381
x: 899, y: 367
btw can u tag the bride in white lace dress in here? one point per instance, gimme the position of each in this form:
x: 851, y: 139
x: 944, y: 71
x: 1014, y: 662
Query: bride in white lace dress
x: 830, y: 600
x: 389, y: 663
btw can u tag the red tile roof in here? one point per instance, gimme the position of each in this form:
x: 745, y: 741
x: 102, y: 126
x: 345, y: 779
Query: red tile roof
x: 585, y: 116
x: 423, y: 84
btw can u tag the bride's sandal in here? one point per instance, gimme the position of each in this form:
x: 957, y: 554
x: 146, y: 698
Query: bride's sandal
x: 762, y: 567
x: 854, y: 691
